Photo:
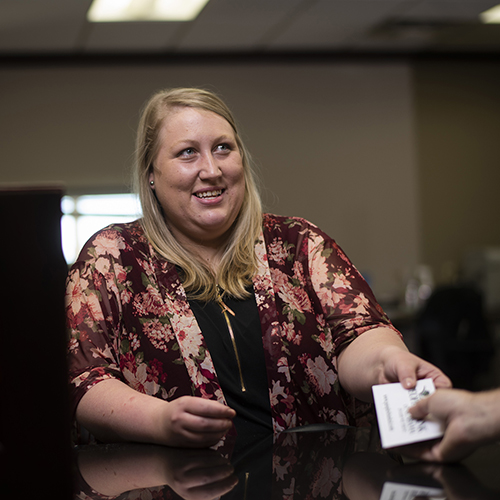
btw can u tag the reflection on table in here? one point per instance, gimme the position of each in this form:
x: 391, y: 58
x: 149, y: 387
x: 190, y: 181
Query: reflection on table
x: 332, y: 463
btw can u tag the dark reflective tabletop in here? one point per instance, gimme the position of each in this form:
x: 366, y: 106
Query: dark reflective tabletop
x: 332, y: 463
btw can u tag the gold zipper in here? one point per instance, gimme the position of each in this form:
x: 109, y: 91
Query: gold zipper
x: 226, y: 310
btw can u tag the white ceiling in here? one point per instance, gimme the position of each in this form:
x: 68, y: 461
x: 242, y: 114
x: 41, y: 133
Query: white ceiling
x: 59, y: 27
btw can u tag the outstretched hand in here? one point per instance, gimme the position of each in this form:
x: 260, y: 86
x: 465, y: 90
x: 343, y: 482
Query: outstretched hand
x: 470, y: 420
x: 404, y: 367
x: 379, y: 356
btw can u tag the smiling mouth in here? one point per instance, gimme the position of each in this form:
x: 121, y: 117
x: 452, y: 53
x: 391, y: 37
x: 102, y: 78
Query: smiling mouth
x: 209, y: 194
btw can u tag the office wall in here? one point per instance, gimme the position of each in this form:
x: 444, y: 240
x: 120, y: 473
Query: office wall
x: 458, y: 136
x: 334, y: 142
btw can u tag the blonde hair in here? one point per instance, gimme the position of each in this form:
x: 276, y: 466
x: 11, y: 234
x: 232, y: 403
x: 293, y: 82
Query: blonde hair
x: 239, y: 261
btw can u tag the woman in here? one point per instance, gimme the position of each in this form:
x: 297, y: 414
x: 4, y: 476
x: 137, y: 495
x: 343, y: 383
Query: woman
x: 205, y: 310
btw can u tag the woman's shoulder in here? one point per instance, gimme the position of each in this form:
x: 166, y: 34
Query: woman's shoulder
x: 273, y: 223
x: 114, y: 240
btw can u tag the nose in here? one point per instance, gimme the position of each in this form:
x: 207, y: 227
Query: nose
x: 209, y: 167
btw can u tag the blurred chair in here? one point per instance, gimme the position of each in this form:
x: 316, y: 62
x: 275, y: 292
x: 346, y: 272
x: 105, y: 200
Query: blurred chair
x: 452, y: 332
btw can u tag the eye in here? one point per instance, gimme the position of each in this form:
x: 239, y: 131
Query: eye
x: 185, y: 153
x: 223, y: 148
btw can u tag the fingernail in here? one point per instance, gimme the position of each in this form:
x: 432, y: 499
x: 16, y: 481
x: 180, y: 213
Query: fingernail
x: 408, y: 383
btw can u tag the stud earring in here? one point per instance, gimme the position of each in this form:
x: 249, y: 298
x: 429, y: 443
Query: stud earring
x: 151, y: 183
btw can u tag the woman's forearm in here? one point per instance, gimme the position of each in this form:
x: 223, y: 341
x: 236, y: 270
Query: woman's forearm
x: 112, y: 411
x: 361, y: 364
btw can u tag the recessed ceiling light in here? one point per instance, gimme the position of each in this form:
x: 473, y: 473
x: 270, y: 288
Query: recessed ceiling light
x: 491, y: 16
x: 144, y: 10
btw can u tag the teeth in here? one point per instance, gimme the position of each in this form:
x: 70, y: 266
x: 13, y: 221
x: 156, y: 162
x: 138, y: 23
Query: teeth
x: 209, y: 194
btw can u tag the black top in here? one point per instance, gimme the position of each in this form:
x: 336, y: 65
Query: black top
x: 252, y: 405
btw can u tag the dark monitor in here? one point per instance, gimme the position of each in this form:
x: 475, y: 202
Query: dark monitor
x: 35, y: 444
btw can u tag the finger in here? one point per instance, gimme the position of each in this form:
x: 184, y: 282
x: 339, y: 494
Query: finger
x: 407, y: 373
x: 441, y: 381
x: 425, y: 450
x: 448, y: 449
x: 200, y: 424
x: 400, y: 367
x: 428, y: 370
x: 208, y: 408
x: 421, y: 409
x: 452, y: 449
x: 432, y: 452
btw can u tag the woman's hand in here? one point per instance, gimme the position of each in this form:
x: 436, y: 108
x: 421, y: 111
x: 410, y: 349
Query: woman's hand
x: 195, y: 422
x: 112, y: 411
x: 379, y: 356
x: 398, y: 365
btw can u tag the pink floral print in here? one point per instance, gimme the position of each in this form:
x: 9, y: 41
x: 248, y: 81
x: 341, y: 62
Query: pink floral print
x: 129, y: 318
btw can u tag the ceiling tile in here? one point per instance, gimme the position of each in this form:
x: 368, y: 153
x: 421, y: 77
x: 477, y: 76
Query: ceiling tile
x: 131, y: 36
x: 449, y: 11
x: 236, y: 24
x: 41, y: 25
x: 328, y: 24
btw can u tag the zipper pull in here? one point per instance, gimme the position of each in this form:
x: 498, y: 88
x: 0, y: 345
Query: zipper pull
x: 222, y: 304
x: 226, y: 310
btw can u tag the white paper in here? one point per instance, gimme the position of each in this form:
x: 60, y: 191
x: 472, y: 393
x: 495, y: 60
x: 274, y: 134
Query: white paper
x: 396, y: 425
x: 397, y: 491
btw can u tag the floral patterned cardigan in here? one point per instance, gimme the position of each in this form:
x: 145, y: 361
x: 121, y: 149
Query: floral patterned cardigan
x: 129, y: 319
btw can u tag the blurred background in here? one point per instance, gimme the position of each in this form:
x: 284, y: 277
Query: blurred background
x: 377, y: 120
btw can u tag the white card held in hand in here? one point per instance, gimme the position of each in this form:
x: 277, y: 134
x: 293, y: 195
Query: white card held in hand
x: 396, y: 425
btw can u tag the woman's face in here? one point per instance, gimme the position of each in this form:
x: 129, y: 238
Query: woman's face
x: 198, y: 176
